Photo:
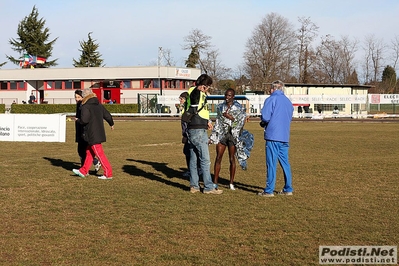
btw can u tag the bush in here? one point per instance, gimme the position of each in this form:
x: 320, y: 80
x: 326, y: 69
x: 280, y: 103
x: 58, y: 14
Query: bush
x: 65, y: 108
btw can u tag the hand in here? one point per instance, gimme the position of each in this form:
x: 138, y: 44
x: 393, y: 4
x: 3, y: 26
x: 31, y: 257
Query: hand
x: 112, y: 127
x: 210, y: 126
x: 228, y: 116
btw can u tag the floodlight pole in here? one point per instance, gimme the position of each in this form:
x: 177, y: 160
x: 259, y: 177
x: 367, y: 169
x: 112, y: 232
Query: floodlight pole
x: 159, y: 69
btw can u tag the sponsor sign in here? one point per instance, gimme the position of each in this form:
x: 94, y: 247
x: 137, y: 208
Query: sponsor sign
x: 33, y: 127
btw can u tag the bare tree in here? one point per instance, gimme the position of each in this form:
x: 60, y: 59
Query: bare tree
x: 167, y: 57
x: 198, y: 43
x: 348, y: 50
x: 373, y: 64
x: 328, y: 63
x: 214, y: 67
x: 306, y: 34
x: 269, y: 51
x: 395, y: 49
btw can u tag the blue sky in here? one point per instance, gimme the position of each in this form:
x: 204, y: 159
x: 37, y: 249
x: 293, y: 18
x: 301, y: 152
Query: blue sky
x: 129, y: 32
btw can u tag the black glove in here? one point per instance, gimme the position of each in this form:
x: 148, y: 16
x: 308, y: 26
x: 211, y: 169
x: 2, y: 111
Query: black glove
x: 262, y: 124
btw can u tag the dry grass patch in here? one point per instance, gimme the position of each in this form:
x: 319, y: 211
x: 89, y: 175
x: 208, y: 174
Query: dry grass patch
x: 345, y: 181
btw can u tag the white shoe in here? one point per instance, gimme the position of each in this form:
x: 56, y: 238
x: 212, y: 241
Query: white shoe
x: 103, y: 177
x: 97, y: 166
x: 232, y: 187
x: 78, y: 173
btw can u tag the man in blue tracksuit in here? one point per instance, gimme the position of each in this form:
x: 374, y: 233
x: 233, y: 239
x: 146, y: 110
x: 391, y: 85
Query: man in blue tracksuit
x: 276, y: 116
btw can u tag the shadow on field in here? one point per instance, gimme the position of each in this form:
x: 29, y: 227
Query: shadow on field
x: 246, y: 187
x: 160, y: 167
x: 61, y: 163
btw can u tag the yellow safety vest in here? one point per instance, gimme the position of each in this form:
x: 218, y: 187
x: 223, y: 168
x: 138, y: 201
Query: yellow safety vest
x: 202, y: 104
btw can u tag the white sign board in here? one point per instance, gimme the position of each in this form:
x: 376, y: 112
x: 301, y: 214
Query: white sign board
x: 33, y: 127
x: 384, y: 98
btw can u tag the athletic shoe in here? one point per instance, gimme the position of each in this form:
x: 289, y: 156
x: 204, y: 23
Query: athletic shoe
x: 97, y: 167
x: 264, y: 194
x: 103, y: 177
x: 78, y: 173
x: 216, y: 186
x: 285, y: 193
x: 213, y: 191
x: 232, y: 187
x: 194, y: 190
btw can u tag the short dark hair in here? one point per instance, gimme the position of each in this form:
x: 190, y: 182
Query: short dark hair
x: 184, y: 95
x: 78, y: 92
x: 230, y: 89
x: 204, y: 79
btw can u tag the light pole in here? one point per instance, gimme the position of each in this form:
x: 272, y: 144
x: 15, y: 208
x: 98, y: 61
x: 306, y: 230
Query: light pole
x: 159, y: 69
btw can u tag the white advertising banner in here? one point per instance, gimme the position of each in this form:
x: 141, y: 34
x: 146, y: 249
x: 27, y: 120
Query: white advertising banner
x: 296, y: 99
x: 328, y: 99
x: 33, y: 127
x: 384, y: 98
x: 168, y: 100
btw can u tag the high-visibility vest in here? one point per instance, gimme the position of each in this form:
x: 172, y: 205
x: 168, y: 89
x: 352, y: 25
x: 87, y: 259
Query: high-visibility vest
x: 202, y: 104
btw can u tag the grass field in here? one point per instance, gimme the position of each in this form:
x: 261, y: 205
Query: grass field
x: 346, y: 193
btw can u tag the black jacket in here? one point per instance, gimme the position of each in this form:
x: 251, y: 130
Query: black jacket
x: 92, y: 115
x: 78, y: 126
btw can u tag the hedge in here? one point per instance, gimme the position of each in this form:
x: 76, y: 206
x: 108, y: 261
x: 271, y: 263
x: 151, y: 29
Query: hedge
x: 65, y: 108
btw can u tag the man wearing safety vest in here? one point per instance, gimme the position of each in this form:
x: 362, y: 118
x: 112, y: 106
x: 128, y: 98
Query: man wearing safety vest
x: 198, y: 136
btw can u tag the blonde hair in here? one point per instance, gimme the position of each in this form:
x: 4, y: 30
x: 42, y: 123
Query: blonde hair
x: 86, y: 91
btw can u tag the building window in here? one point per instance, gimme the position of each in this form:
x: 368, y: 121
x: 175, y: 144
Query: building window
x: 51, y: 85
x: 147, y: 83
x: 329, y: 107
x: 13, y: 85
x: 58, y: 84
x: 48, y: 85
x: 69, y: 84
x: 77, y: 85
x: 155, y: 83
x: 3, y: 85
x: 127, y: 84
x: 21, y: 85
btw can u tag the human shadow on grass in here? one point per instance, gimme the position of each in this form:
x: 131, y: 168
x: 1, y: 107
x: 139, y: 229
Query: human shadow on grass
x: 160, y: 167
x: 241, y: 186
x: 61, y: 163
x: 65, y: 164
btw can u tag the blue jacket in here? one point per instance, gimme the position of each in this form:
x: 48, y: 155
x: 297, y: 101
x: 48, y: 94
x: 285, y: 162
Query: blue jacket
x: 277, y: 114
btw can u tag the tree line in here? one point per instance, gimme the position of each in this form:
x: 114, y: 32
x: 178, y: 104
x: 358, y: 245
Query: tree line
x: 275, y: 50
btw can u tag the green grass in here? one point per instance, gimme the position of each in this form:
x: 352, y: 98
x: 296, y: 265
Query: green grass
x: 346, y: 193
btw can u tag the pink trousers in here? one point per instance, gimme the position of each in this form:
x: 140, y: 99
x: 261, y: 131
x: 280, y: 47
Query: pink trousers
x: 96, y: 150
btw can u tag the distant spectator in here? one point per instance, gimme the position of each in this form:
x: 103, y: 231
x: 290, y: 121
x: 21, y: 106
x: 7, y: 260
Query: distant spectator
x: 335, y: 112
x: 300, y: 111
x: 32, y: 98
